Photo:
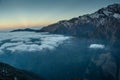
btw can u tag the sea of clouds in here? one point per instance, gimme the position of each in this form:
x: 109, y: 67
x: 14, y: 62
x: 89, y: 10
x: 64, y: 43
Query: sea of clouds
x: 29, y: 41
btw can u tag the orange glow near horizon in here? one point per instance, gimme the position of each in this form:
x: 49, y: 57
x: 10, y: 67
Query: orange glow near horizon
x: 23, y: 21
x: 24, y: 24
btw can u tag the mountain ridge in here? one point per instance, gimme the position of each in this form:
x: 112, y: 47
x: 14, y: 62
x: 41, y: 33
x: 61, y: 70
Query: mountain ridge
x: 100, y: 24
x: 26, y: 29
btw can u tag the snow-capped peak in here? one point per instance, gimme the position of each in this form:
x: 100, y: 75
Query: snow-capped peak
x: 110, y: 11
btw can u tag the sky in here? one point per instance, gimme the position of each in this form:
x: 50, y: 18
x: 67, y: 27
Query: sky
x: 30, y: 13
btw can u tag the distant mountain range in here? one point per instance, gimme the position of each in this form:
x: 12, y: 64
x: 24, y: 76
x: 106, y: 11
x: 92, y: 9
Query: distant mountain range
x: 26, y: 29
x: 8, y: 72
x: 103, y: 24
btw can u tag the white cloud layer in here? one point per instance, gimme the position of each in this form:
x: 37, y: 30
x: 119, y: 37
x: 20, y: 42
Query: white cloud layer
x: 96, y: 46
x: 30, y: 41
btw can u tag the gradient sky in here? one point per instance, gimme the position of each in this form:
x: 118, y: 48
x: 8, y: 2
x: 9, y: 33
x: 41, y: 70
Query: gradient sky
x: 24, y: 13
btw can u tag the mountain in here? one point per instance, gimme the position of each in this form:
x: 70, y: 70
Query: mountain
x: 8, y: 72
x: 103, y: 24
x: 26, y: 29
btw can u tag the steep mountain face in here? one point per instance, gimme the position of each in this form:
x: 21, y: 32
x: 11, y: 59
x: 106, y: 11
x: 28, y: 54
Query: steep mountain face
x: 8, y: 72
x: 104, y: 24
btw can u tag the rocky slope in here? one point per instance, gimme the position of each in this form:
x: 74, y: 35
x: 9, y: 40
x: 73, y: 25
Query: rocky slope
x: 8, y: 72
x: 104, y: 23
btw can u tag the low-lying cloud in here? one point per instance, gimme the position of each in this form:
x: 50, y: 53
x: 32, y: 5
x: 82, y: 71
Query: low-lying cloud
x: 30, y: 41
x: 96, y: 46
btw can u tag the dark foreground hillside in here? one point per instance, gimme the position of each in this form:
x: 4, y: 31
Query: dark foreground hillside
x: 8, y: 72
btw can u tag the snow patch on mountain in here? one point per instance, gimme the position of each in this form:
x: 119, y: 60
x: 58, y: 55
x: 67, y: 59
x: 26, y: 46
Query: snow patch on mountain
x: 117, y: 16
x: 95, y: 15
